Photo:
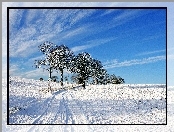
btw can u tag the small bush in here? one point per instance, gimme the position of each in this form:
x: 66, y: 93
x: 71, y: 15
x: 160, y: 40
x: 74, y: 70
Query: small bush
x: 41, y: 79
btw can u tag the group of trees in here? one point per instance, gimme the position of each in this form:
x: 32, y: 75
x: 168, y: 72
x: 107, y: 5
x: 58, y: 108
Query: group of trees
x: 83, y: 66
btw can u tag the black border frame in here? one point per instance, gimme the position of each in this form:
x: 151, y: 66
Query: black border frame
x: 8, y: 9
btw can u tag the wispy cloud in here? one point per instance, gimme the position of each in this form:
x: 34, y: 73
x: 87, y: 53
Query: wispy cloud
x: 115, y: 63
x: 109, y: 11
x: 151, y: 52
x: 75, y: 32
x: 14, y: 70
x: 42, y: 25
x: 92, y: 43
x: 81, y: 14
x: 126, y: 16
x: 122, y: 17
x: 26, y: 48
x: 153, y: 37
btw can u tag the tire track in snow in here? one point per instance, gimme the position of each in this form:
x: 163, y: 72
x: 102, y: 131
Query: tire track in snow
x: 57, y: 111
x: 48, y: 104
x: 62, y: 109
x: 41, y: 117
x: 66, y: 115
x: 65, y: 112
x: 60, y: 113
x: 77, y: 111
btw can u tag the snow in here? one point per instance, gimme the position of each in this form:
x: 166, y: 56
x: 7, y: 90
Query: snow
x: 30, y: 102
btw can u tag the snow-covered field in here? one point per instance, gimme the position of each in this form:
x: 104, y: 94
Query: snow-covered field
x: 71, y: 106
x: 30, y: 102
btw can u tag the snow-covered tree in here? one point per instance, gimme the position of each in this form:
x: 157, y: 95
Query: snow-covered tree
x: 96, y: 70
x: 102, y: 76
x: 46, y: 48
x: 116, y: 80
x: 120, y: 80
x: 106, y: 78
x: 60, y: 58
x: 82, y: 65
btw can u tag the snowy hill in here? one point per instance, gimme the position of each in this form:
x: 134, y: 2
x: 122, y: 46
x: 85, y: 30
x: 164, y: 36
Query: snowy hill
x: 32, y: 103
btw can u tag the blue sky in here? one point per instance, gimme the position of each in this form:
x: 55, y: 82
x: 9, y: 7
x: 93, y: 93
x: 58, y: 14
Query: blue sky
x: 130, y: 43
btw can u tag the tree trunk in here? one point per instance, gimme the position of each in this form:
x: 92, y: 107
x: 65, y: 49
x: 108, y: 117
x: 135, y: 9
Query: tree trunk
x: 50, y: 73
x: 96, y: 81
x: 49, y: 85
x: 83, y: 84
x: 61, y: 81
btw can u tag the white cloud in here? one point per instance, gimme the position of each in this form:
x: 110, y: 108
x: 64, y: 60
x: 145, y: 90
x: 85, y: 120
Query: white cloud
x: 114, y: 63
x: 37, y: 58
x: 126, y: 16
x: 109, y: 11
x: 75, y: 32
x: 32, y: 14
x: 13, y: 70
x: 31, y: 61
x: 24, y: 48
x: 50, y: 25
x: 82, y: 14
x: 15, y: 16
x: 43, y: 25
x: 153, y: 37
x: 151, y: 52
x: 83, y: 47
x: 121, y: 18
x: 20, y: 47
x: 92, y: 43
